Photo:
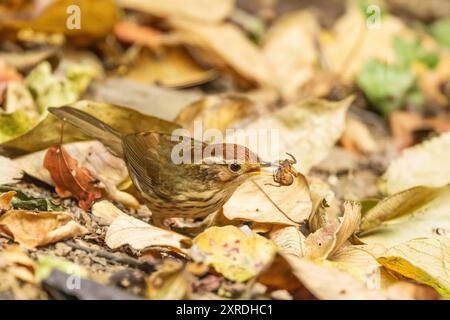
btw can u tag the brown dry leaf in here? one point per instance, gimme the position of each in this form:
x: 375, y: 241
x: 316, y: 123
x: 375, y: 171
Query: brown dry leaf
x: 424, y: 260
x: 19, y: 263
x: 229, y: 45
x: 349, y: 224
x: 404, y: 123
x: 8, y: 73
x: 290, y: 50
x: 203, y: 10
x: 357, y: 137
x: 109, y: 170
x: 258, y: 202
x: 172, y: 68
x: 71, y: 179
x: 5, y: 200
x: 9, y: 171
x: 426, y: 164
x: 32, y: 229
x: 327, y: 283
x: 96, y: 18
x: 414, y: 213
x: 126, y: 230
x: 238, y: 254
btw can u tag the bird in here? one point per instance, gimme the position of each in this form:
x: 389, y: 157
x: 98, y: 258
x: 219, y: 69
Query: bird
x: 164, y: 168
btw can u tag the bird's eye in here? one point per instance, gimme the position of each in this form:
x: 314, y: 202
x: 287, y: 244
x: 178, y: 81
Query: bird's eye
x: 235, y: 167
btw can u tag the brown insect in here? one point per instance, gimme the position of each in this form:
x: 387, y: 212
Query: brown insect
x: 285, y: 173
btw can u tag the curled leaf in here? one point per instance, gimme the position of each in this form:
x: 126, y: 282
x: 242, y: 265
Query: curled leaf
x: 70, y: 179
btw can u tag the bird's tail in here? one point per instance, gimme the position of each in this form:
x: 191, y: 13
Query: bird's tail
x: 91, y: 127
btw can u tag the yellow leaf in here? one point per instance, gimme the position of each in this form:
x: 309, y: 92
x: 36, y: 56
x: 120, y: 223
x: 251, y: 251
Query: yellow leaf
x: 424, y: 260
x: 238, y: 255
x: 414, y: 213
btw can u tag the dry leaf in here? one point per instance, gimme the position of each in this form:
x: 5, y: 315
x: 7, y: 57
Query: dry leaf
x: 220, y: 112
x: 19, y: 263
x: 109, y: 170
x: 170, y: 282
x: 71, y: 179
x: 9, y: 171
x: 290, y: 50
x: 288, y: 205
x: 32, y: 229
x: 172, y: 68
x: 106, y: 212
x: 328, y: 283
x: 238, y: 254
x: 203, y: 10
x: 228, y: 44
x: 424, y: 260
x: 357, y: 137
x: 414, y: 213
x: 130, y: 32
x: 289, y: 240
x: 403, y: 290
x: 308, y: 130
x: 5, y: 201
x: 426, y: 164
x: 404, y: 123
x: 352, y: 43
x: 126, y: 230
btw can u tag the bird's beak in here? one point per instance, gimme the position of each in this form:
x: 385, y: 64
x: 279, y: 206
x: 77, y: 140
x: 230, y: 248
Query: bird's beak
x: 264, y: 168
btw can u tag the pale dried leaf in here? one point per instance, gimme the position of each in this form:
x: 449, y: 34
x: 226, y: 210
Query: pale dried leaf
x: 126, y: 230
x: 9, y: 171
x: 426, y: 164
x: 328, y: 283
x: 427, y: 217
x: 282, y: 205
x: 106, y: 212
x: 289, y: 240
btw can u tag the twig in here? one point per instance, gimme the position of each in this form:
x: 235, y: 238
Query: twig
x: 144, y: 266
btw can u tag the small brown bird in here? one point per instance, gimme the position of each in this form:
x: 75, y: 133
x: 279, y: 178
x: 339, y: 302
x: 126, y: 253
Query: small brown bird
x: 190, y: 189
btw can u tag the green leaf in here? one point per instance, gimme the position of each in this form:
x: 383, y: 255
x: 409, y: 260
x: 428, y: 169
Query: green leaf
x: 50, y: 90
x: 14, y: 124
x: 440, y: 30
x: 385, y: 85
x: 408, y: 52
x: 25, y: 202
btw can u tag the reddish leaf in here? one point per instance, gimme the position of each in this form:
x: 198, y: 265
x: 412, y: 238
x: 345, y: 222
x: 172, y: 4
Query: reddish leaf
x: 133, y: 33
x: 70, y: 179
